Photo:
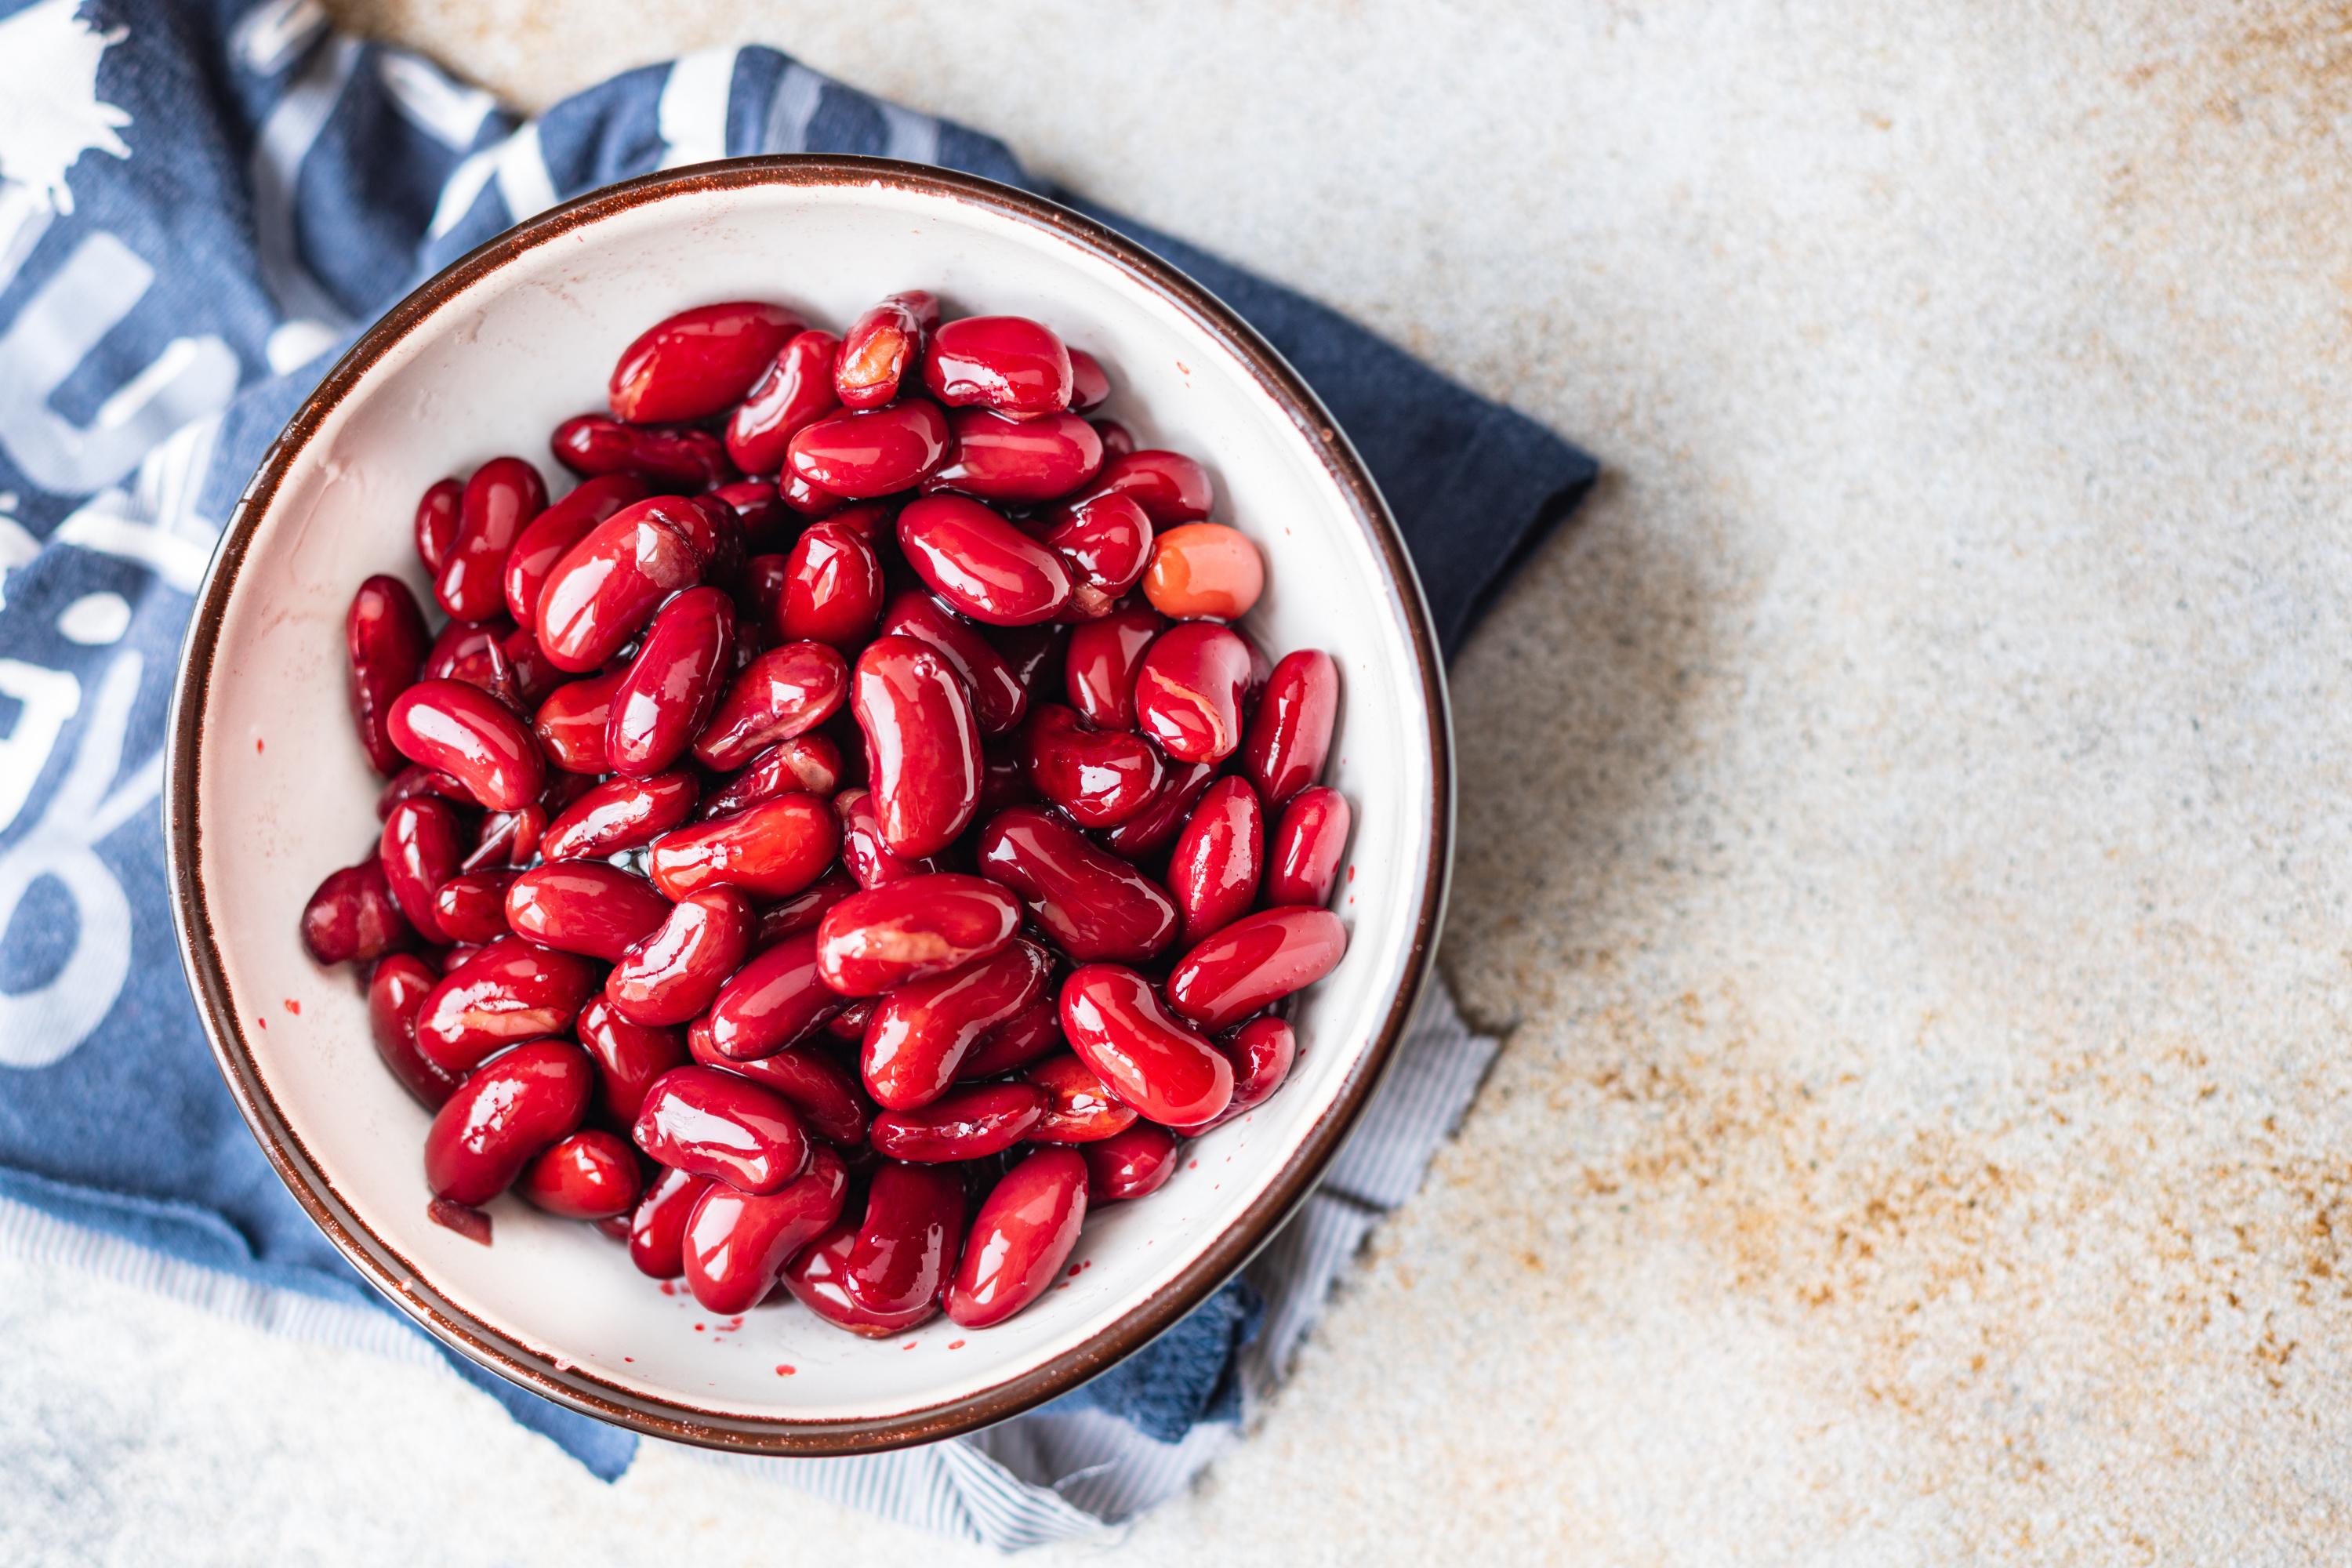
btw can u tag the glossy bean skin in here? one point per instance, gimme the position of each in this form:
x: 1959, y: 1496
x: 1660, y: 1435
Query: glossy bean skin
x: 1169, y: 487
x: 966, y: 1123
x: 1105, y: 654
x: 810, y: 500
x: 436, y: 528
x: 1016, y: 462
x: 796, y: 389
x: 551, y: 535
x: 503, y: 496
x: 1155, y: 827
x: 806, y: 908
x: 1132, y: 1164
x: 666, y: 460
x: 472, y: 736
x: 352, y: 915
x: 590, y: 1175
x: 503, y: 1114
x: 629, y: 1056
x: 806, y: 765
x: 881, y: 346
x: 503, y: 660
x: 1080, y: 1107
x: 1307, y: 849
x: 1253, y: 963
x: 782, y: 694
x: 607, y: 586
x: 1108, y: 541
x: 1116, y: 438
x: 826, y: 1094
x: 698, y: 362
x: 414, y: 780
x: 737, y: 1243
x: 1010, y: 363
x: 585, y: 906
x: 396, y: 991
x: 1029, y: 1034
x: 761, y: 515
x: 922, y: 744
x: 711, y: 1123
x: 1189, y: 692
x: 1003, y: 781
x: 658, y: 1228
x: 1024, y: 1232
x: 572, y: 723
x: 906, y: 1246
x: 817, y: 1275
x: 507, y: 992
x: 1100, y: 777
x: 508, y: 838
x: 1148, y: 1058
x: 770, y: 850
x: 384, y: 633
x: 422, y: 846
x: 870, y: 861
x: 1219, y: 858
x: 998, y: 698
x: 833, y: 588
x: 1089, y: 384
x: 620, y: 813
x: 980, y: 563
x: 673, y: 684
x: 1263, y: 1052
x: 472, y: 906
x: 920, y: 1034
x: 861, y: 456
x: 774, y: 1002
x: 912, y: 929
x: 849, y: 1024
x: 1290, y: 734
x: 1094, y: 905
x: 1204, y: 569
x: 673, y: 973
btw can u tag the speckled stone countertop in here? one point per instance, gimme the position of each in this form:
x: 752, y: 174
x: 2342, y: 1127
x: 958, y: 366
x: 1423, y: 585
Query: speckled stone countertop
x: 1905, y: 832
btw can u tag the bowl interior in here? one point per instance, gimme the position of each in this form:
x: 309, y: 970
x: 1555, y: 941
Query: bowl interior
x: 282, y: 793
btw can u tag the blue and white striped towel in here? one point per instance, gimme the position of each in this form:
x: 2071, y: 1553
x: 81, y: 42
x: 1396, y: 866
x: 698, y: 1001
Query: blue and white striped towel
x: 199, y: 198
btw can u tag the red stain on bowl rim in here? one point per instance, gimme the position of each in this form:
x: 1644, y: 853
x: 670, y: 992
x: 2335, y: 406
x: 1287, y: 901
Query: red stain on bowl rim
x: 784, y: 1370
x: 293, y: 1007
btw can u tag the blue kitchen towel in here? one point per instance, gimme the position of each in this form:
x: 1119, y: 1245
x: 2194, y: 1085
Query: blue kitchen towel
x: 197, y: 199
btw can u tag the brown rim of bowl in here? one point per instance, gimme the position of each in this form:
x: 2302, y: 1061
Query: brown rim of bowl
x: 392, y: 1274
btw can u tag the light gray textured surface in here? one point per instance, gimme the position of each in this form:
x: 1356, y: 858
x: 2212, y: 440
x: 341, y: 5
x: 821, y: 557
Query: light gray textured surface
x: 1906, y: 818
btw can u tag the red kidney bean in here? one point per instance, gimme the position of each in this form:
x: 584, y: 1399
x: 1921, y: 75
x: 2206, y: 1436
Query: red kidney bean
x: 352, y: 915
x: 507, y: 839
x: 761, y: 515
x: 585, y: 906
x: 1117, y: 440
x: 588, y: 1175
x: 673, y: 684
x: 608, y: 585
x: 421, y: 847
x: 414, y: 780
x: 1147, y: 1056
x: 1290, y: 734
x: 571, y: 723
x: 1135, y: 1163
x: 672, y: 974
x: 861, y: 456
x: 1189, y: 690
x: 551, y: 535
x: 808, y: 499
x: 796, y: 389
x: 1089, y: 384
x: 1106, y: 540
x: 1262, y: 1051
x: 505, y: 661
x: 826, y: 1094
x: 1104, y: 657
x: 1033, y: 652
x: 1093, y: 905
x: 961, y: 1124
x: 1003, y: 780
x: 1307, y: 849
x: 737, y: 1243
x: 657, y: 1228
x: 780, y: 695
x: 698, y: 362
x: 1023, y: 1234
x: 437, y: 523
x: 920, y: 1034
x: 770, y: 850
x: 386, y: 634
x: 1080, y: 1107
x: 980, y: 563
x: 1017, y: 462
x: 807, y: 764
x: 620, y: 813
x: 472, y: 906
x: 1218, y: 859
x: 906, y: 1246
x: 849, y: 1024
x: 869, y: 860
x: 922, y: 744
x: 912, y: 929
x: 1204, y: 569
x: 1009, y: 363
x: 500, y: 1116
x: 669, y: 460
x: 833, y: 588
x: 772, y: 1002
x: 718, y: 1124
x: 629, y: 1056
x: 806, y: 908
x: 817, y: 1276
x: 1101, y: 777
x: 1154, y: 827
x: 1035, y: 1031
x: 507, y: 992
x: 1169, y: 487
x: 880, y: 346
x: 998, y: 699
x: 1254, y: 962
x: 504, y: 494
x: 763, y: 591
x: 396, y: 991
x: 473, y: 737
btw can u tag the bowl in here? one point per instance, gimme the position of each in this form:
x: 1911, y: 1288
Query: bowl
x: 269, y: 789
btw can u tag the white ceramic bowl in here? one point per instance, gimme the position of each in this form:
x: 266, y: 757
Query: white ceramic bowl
x: 270, y: 789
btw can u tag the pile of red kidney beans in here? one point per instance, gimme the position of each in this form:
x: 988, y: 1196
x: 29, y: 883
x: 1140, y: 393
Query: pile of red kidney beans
x: 842, y: 838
